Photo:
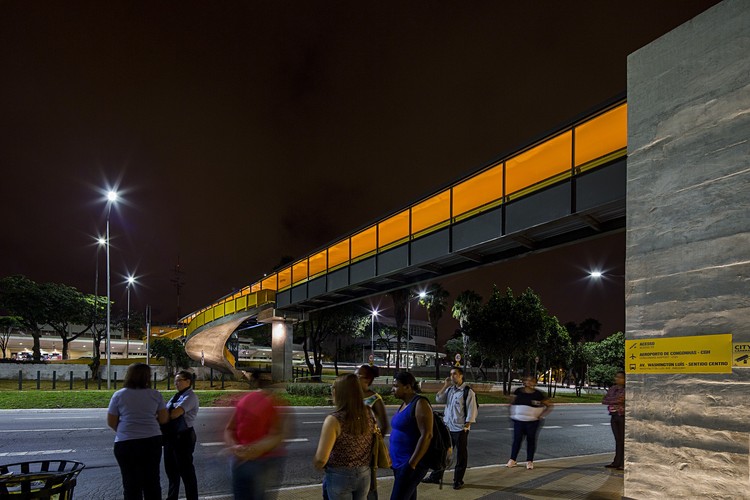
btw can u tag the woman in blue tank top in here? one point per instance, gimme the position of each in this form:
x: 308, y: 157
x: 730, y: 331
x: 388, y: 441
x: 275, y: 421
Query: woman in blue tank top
x: 411, y: 433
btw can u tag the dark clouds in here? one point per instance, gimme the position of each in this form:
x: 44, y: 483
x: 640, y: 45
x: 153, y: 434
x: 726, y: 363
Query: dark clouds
x: 245, y: 131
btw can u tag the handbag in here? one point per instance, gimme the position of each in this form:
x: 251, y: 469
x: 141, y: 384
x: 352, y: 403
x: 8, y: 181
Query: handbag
x: 381, y: 459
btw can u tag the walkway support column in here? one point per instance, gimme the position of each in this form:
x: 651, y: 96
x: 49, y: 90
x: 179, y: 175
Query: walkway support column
x: 688, y: 257
x: 282, y: 328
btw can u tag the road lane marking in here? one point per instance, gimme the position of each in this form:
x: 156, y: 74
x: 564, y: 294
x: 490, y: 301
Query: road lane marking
x: 222, y: 443
x: 552, y: 427
x: 582, y: 425
x: 41, y: 452
x: 316, y: 422
x: 55, y: 417
x: 6, y: 431
x: 605, y: 423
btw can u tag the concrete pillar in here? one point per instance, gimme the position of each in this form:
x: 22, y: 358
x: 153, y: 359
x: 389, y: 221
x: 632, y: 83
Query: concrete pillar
x: 688, y: 253
x: 281, y: 347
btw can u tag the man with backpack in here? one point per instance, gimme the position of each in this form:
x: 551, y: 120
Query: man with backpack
x: 460, y: 412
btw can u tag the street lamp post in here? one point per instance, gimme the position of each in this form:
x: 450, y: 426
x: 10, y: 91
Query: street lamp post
x: 101, y: 241
x: 372, y: 335
x: 111, y: 199
x: 131, y: 280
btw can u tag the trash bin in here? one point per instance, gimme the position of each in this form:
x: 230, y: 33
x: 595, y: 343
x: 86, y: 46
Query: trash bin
x: 42, y: 479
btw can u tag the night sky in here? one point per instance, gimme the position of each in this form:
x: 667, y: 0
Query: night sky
x: 241, y: 132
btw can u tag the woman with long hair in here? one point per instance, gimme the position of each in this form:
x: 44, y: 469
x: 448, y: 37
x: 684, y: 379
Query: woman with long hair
x: 345, y: 445
x: 134, y: 413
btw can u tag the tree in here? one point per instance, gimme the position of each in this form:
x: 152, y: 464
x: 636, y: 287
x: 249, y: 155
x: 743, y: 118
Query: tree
x: 24, y: 298
x: 400, y: 299
x: 465, y: 306
x: 66, y: 306
x: 347, y: 322
x: 172, y: 351
x: 557, y: 349
x: 436, y: 302
x: 7, y: 324
x: 581, y: 357
x: 607, y: 358
x: 324, y: 324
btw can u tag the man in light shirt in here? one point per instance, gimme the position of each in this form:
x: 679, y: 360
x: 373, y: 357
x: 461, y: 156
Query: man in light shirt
x: 460, y: 412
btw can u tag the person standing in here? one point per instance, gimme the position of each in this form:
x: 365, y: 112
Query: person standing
x: 345, y: 445
x: 134, y: 413
x: 179, y: 445
x: 528, y: 406
x: 615, y: 401
x: 411, y: 433
x: 255, y: 435
x: 366, y: 375
x: 460, y: 412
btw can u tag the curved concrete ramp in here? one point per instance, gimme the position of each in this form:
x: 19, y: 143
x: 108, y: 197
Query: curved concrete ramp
x: 209, y: 341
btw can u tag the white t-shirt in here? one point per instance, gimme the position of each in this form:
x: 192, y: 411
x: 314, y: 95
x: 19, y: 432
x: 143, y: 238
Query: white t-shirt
x: 137, y: 409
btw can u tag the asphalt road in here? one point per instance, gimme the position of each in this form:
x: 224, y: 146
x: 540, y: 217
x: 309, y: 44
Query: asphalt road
x: 82, y: 434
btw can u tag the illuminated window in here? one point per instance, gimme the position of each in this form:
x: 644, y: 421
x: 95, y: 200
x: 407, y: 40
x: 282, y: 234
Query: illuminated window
x: 338, y: 254
x: 602, y: 135
x: 393, y: 229
x: 548, y: 159
x: 430, y: 212
x: 299, y: 271
x: 478, y: 190
x: 318, y: 264
x: 285, y: 278
x: 364, y: 242
x: 255, y: 287
x: 269, y: 283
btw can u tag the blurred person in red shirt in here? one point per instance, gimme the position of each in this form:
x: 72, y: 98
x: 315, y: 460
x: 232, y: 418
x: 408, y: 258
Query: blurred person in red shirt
x: 255, y: 435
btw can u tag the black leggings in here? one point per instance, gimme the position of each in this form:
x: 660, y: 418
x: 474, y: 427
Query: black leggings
x: 139, y: 461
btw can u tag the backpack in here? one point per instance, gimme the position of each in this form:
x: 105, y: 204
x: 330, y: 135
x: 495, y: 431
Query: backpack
x: 438, y: 455
x: 468, y: 388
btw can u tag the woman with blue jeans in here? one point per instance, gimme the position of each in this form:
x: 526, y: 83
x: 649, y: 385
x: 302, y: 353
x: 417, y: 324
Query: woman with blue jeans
x: 345, y: 445
x: 411, y: 433
x: 528, y: 406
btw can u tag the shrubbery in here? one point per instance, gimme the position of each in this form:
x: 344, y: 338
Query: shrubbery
x: 317, y: 390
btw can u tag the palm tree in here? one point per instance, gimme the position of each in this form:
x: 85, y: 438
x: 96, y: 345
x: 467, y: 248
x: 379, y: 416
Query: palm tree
x: 436, y: 302
x: 400, y: 300
x: 465, y: 306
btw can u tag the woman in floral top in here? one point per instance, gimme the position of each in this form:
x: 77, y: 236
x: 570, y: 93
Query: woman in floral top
x: 615, y: 401
x: 345, y: 445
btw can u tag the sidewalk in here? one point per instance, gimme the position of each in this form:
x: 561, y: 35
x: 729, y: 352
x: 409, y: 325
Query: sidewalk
x: 573, y: 477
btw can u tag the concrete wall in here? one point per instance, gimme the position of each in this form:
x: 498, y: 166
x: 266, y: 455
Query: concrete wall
x: 688, y: 252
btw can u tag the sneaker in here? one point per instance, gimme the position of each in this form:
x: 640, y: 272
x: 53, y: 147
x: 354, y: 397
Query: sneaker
x: 529, y: 465
x: 511, y: 463
x: 458, y: 485
x: 431, y: 480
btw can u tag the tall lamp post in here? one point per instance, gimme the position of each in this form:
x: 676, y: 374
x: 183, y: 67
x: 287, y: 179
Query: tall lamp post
x: 421, y: 295
x: 111, y: 200
x: 101, y: 241
x: 130, y: 281
x: 374, y: 314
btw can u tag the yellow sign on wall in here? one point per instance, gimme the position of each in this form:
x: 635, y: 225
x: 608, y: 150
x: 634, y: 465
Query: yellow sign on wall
x: 695, y: 354
x: 741, y: 354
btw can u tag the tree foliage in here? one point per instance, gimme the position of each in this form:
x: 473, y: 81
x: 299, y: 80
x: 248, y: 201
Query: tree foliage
x: 400, y: 299
x: 172, y: 351
x: 7, y: 325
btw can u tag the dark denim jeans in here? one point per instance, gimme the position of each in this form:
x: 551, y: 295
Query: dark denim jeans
x: 406, y: 481
x: 252, y: 479
x: 521, y: 429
